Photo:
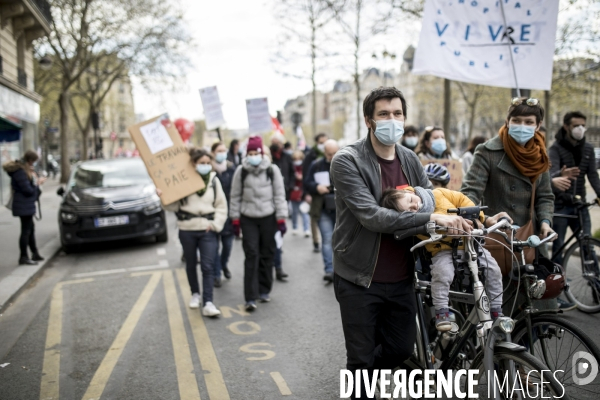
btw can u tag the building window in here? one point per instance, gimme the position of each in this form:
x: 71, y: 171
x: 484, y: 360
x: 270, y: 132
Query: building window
x: 1, y: 68
x: 22, y: 77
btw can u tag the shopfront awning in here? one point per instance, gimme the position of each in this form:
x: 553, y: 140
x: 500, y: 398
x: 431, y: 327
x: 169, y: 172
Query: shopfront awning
x: 9, y: 131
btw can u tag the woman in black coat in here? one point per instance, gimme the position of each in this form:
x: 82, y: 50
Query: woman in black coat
x: 25, y: 194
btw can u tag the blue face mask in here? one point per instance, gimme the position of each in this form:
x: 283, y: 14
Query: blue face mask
x: 254, y: 160
x: 521, y: 133
x: 389, y: 131
x: 439, y: 146
x: 220, y: 157
x: 203, y: 169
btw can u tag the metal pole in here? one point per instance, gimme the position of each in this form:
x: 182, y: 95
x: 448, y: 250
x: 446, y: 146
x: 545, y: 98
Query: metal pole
x: 447, y: 106
x: 219, y: 134
x: 512, y: 61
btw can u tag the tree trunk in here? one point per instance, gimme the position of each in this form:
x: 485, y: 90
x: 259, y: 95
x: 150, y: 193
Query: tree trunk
x: 473, y: 108
x: 548, y: 122
x: 356, y: 71
x: 63, y: 103
x: 313, y: 56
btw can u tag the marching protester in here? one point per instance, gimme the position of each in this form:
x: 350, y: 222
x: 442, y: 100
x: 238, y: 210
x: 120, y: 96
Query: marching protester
x: 26, y: 191
x: 511, y: 171
x: 258, y: 209
x: 410, y: 139
x: 374, y: 288
x: 314, y: 153
x: 296, y: 196
x: 200, y: 217
x: 233, y: 155
x: 225, y: 170
x: 433, y: 145
x: 467, y: 158
x: 322, y: 208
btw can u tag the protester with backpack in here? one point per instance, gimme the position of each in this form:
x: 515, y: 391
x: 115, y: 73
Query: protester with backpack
x: 258, y: 209
x: 25, y: 192
x: 200, y: 217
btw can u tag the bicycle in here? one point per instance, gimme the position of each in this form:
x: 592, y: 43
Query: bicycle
x: 554, y: 340
x: 497, y: 356
x: 582, y: 272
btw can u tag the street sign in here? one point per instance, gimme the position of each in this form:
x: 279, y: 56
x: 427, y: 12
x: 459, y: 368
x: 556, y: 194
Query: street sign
x: 259, y: 119
x: 213, y: 114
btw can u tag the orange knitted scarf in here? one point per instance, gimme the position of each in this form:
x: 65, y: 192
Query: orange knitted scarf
x: 532, y: 159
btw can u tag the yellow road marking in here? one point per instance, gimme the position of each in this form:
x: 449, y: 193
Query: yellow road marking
x: 98, y: 383
x: 281, y: 384
x: 49, y: 388
x: 215, y: 385
x: 235, y: 327
x: 186, y: 378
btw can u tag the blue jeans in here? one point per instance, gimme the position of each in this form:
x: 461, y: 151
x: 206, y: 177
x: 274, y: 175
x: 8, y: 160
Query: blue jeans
x: 295, y: 212
x: 206, y: 242
x: 326, y: 225
x: 560, y: 227
x: 226, y: 246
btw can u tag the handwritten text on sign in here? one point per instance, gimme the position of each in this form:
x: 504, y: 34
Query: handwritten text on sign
x: 156, y: 136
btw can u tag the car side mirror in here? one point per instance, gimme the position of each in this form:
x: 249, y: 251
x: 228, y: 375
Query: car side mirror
x: 60, y: 191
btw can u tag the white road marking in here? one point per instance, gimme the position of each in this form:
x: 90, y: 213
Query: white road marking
x: 161, y: 252
x: 161, y: 265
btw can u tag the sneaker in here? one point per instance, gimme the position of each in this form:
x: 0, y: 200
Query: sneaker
x: 280, y: 275
x: 328, y: 277
x: 264, y: 298
x: 250, y: 306
x: 217, y: 282
x: 37, y: 257
x: 26, y: 261
x: 306, y: 234
x: 294, y: 232
x: 443, y: 320
x: 565, y: 305
x: 316, y: 248
x: 210, y: 310
x: 226, y: 273
x: 195, y: 301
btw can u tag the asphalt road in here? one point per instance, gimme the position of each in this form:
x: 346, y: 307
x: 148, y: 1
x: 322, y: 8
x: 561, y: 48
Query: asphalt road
x: 112, y: 322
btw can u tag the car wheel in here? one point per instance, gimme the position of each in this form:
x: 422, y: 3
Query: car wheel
x: 163, y: 237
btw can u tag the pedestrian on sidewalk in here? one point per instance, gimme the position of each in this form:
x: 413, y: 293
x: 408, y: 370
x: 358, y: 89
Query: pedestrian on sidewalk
x: 200, y: 217
x: 313, y: 154
x: 225, y: 170
x: 296, y: 196
x: 322, y: 208
x: 258, y: 209
x: 25, y: 186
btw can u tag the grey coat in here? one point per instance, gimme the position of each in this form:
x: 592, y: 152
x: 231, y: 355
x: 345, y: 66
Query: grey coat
x: 495, y: 181
x: 260, y: 197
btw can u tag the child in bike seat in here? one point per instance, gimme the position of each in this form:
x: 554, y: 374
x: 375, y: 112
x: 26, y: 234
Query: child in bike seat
x: 438, y: 201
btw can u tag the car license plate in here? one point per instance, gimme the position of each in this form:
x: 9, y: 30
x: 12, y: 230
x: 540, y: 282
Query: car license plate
x: 111, y: 221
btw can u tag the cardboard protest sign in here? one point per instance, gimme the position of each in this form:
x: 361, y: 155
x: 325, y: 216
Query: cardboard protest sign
x: 166, y: 158
x: 213, y: 114
x: 454, y: 168
x: 259, y: 119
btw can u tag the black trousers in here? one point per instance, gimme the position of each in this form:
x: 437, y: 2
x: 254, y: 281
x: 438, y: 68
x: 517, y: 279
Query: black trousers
x: 27, y: 237
x: 379, y: 323
x: 259, y: 249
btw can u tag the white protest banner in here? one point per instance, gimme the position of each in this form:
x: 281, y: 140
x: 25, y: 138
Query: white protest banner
x: 213, y: 114
x: 466, y: 40
x: 259, y: 119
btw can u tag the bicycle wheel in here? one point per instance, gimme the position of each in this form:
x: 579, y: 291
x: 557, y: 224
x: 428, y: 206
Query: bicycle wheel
x: 534, y: 380
x: 559, y: 343
x: 583, y: 274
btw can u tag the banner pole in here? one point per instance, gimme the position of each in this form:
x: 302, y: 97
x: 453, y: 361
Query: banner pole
x: 512, y: 61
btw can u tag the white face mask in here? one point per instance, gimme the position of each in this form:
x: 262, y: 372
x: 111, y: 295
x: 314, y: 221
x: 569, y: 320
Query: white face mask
x: 578, y: 132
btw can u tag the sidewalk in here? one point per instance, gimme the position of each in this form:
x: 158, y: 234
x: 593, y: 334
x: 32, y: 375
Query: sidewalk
x: 14, y: 277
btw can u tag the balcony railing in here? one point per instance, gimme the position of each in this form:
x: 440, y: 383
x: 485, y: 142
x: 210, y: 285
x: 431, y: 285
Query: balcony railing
x: 22, y: 77
x: 44, y: 8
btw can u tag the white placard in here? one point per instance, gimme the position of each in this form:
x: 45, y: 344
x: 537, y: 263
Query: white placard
x: 467, y: 41
x: 213, y: 114
x: 156, y: 136
x: 259, y: 119
x: 322, y: 178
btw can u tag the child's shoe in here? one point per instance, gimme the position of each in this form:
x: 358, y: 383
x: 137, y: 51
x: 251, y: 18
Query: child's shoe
x: 443, y: 320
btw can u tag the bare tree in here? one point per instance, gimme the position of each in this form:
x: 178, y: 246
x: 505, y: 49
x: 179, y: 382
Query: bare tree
x: 471, y: 95
x: 145, y: 35
x: 306, y: 28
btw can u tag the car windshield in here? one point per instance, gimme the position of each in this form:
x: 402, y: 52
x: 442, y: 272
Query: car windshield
x: 107, y: 174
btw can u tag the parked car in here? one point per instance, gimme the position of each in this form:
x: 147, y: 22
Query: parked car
x: 109, y: 200
x: 597, y: 153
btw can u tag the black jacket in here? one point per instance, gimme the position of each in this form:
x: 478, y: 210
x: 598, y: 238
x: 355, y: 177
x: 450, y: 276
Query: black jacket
x: 311, y: 156
x: 360, y: 220
x: 562, y: 153
x: 25, y: 192
x: 286, y: 166
x: 317, y: 204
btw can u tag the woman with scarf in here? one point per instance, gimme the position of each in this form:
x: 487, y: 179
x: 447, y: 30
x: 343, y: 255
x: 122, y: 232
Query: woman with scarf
x: 507, y: 169
x: 433, y: 145
x: 200, y: 217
